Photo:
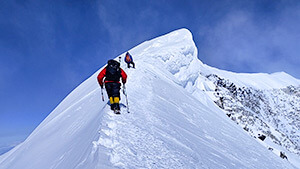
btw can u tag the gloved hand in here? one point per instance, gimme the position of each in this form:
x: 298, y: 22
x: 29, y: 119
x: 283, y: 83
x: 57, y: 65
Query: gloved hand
x: 101, y: 86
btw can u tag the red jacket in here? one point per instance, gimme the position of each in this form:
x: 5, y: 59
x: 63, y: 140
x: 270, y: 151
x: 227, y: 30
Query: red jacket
x: 103, y: 73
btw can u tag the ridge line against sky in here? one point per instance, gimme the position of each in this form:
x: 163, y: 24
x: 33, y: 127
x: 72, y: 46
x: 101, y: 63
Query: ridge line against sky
x: 47, y: 48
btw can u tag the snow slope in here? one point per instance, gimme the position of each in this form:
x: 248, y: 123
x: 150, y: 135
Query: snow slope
x: 168, y: 127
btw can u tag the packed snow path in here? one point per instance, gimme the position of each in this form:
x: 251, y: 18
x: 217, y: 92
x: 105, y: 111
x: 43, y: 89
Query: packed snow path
x: 133, y: 140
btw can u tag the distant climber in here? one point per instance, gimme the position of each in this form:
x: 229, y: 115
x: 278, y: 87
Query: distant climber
x: 128, y: 59
x: 112, y: 73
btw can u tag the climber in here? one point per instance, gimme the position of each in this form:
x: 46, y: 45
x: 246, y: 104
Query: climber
x: 128, y: 59
x: 112, y: 73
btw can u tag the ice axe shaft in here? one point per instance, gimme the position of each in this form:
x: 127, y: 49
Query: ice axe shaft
x: 102, y: 94
x: 124, y: 92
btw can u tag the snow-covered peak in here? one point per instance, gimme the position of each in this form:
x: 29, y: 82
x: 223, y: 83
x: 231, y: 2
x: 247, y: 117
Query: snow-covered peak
x: 167, y: 127
x: 173, y: 52
x: 255, y: 80
x: 177, y: 53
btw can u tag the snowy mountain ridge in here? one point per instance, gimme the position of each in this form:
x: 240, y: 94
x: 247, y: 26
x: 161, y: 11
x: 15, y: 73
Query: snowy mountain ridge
x: 267, y: 103
x: 175, y: 119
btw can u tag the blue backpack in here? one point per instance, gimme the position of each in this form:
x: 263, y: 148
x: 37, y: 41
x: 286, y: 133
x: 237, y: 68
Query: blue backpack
x: 128, y: 58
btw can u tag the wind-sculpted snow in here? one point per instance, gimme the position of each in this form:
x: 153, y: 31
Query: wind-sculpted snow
x: 167, y: 127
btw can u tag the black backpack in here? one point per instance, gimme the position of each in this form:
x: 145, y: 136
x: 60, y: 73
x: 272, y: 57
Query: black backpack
x: 113, y: 71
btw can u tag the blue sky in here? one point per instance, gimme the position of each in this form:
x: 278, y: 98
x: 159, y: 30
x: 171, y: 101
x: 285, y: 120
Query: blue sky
x: 47, y: 48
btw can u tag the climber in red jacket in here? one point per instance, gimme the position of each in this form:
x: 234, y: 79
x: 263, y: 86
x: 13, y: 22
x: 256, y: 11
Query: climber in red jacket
x: 112, y: 73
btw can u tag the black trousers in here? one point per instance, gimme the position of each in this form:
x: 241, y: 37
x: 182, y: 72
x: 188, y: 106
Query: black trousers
x: 113, y: 89
x: 128, y: 64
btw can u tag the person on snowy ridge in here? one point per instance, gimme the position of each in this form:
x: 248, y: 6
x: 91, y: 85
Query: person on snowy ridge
x: 128, y: 59
x: 112, y: 73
